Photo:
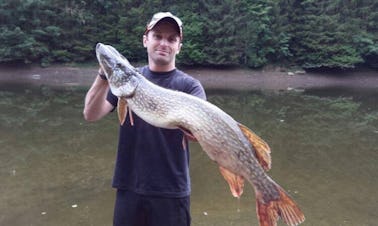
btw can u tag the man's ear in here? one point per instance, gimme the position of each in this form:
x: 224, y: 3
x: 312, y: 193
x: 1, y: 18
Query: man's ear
x: 145, y: 41
x: 179, y: 48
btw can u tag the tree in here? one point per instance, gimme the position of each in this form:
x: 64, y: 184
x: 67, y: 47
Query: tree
x: 309, y: 33
x: 257, y: 32
x: 318, y: 39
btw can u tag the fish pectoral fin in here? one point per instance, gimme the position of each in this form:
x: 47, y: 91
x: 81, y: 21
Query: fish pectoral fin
x: 261, y: 147
x: 236, y: 182
x: 122, y: 110
x: 188, y: 134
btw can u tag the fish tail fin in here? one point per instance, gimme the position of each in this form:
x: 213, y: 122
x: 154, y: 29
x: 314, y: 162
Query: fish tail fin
x: 285, y: 208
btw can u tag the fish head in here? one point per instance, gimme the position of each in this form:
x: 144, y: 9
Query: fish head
x: 123, y: 78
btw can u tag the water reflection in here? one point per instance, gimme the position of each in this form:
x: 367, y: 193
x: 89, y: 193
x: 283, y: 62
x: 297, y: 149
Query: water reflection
x: 56, y: 168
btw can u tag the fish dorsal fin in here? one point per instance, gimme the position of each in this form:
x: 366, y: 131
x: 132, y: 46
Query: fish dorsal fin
x: 262, y: 149
x: 122, y: 110
x: 235, y: 181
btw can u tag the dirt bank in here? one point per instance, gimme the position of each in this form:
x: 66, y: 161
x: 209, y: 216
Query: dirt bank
x: 243, y: 79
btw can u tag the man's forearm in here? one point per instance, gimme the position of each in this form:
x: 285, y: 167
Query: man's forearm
x: 96, y: 106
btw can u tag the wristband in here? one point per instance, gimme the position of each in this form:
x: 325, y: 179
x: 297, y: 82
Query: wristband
x: 102, y: 76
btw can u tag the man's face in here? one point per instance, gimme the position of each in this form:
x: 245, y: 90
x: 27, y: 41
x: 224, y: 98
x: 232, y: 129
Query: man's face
x: 163, y: 43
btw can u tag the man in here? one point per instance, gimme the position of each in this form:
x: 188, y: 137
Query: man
x: 152, y: 167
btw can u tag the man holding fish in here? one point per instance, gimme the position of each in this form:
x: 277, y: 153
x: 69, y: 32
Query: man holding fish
x: 162, y: 102
x: 152, y: 167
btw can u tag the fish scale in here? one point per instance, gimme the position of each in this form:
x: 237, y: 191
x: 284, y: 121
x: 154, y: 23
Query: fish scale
x: 239, y: 152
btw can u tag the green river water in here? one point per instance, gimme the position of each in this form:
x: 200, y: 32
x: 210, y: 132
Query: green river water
x: 56, y: 169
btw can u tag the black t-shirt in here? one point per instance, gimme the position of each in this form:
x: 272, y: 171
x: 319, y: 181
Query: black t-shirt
x: 151, y: 160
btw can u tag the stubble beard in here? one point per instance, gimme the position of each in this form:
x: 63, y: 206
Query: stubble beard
x: 162, y: 60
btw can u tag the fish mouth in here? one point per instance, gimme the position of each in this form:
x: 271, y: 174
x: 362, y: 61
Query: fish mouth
x: 118, y: 70
x: 107, y: 57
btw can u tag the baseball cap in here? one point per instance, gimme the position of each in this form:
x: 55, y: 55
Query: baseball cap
x: 163, y: 15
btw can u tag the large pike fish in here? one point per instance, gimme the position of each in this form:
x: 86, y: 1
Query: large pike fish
x: 240, y: 153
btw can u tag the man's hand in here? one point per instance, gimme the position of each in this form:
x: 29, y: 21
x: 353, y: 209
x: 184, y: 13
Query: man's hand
x: 102, y: 75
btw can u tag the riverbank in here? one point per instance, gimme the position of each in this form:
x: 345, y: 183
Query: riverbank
x: 236, y: 79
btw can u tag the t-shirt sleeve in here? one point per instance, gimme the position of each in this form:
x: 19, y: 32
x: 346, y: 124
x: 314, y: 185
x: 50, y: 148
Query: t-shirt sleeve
x: 195, y: 88
x: 198, y: 90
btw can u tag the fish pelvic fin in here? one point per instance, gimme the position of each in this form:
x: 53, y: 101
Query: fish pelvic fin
x: 122, y: 110
x: 188, y: 134
x: 284, y: 208
x: 235, y: 181
x: 262, y: 149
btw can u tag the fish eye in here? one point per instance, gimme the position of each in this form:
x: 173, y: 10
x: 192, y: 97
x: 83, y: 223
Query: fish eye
x: 120, y: 66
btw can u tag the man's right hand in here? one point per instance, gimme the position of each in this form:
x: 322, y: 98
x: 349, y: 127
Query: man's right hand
x: 102, y: 75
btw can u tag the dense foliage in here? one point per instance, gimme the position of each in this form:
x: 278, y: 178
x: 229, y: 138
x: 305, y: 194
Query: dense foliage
x: 308, y: 33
